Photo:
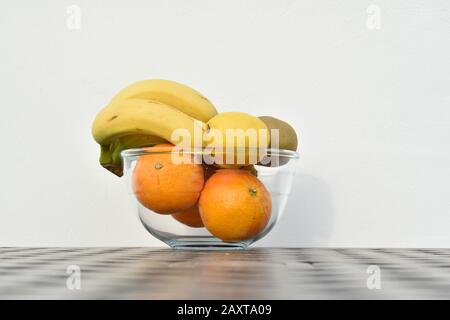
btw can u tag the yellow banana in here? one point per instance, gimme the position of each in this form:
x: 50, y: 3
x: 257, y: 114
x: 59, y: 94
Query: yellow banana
x: 143, y: 117
x: 171, y: 93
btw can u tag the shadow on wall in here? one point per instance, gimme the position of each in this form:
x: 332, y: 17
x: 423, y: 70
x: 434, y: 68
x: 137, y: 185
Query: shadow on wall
x: 308, y: 218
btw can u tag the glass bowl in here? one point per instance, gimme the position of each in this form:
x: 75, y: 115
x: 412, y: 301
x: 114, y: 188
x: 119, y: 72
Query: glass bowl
x: 276, y: 175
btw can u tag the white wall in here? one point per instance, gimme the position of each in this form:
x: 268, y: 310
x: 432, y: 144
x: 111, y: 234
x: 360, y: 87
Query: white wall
x: 372, y: 107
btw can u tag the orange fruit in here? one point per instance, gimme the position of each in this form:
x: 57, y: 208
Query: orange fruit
x: 190, y: 217
x: 235, y: 205
x: 164, y: 186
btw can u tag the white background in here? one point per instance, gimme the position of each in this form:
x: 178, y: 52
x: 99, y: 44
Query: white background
x: 372, y: 107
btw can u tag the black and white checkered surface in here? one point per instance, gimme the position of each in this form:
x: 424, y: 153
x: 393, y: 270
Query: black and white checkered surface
x: 275, y: 273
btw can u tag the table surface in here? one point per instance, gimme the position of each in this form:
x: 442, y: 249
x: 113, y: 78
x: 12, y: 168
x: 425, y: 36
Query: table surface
x: 269, y: 273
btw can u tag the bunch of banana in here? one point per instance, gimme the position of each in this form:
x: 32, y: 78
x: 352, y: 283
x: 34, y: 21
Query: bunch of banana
x: 146, y: 113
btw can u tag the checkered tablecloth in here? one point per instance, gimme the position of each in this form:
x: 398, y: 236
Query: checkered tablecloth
x: 272, y: 273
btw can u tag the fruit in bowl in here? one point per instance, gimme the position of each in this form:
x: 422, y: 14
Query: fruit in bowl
x: 165, y: 187
x: 199, y: 179
x: 190, y: 217
x: 235, y: 205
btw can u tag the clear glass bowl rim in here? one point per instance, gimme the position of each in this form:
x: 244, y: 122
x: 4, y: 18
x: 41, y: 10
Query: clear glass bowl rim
x: 136, y: 152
